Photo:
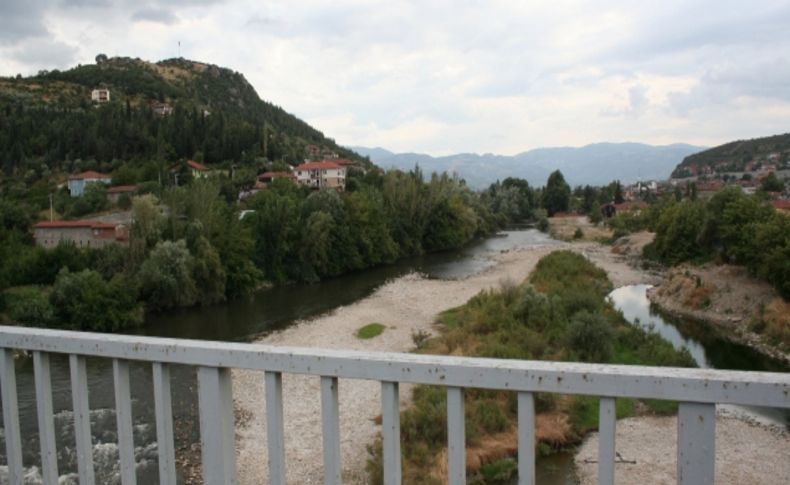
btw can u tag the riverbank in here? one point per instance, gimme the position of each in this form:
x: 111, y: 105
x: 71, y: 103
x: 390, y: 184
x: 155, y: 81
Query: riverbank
x: 405, y: 306
x: 746, y: 452
x: 732, y: 301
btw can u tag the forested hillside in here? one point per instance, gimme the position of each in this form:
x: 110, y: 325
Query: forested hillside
x: 217, y: 117
x: 736, y: 156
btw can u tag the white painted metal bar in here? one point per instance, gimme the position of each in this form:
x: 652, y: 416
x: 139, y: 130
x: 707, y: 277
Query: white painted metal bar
x: 390, y: 431
x: 123, y: 417
x: 526, y: 438
x: 698, y: 385
x: 82, y: 418
x: 275, y: 431
x: 215, y: 396
x: 46, y: 422
x: 330, y: 427
x: 13, y: 441
x: 163, y: 408
x: 456, y: 436
x: 696, y: 443
x: 607, y: 417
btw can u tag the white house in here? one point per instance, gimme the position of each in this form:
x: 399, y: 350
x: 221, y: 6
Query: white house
x: 101, y: 95
x: 321, y: 174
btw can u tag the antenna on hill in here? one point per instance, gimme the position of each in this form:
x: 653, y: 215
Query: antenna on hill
x: 179, y: 48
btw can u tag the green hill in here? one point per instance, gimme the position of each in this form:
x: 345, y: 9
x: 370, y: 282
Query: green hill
x: 737, y: 156
x: 217, y: 117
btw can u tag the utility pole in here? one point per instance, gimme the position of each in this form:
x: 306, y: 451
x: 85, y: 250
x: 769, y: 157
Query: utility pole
x: 50, y: 207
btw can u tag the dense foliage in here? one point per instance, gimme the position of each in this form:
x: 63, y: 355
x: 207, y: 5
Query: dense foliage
x: 560, y: 314
x: 188, y: 245
x: 47, y: 122
x: 731, y: 227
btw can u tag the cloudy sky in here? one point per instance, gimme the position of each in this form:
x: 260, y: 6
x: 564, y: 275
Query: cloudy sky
x: 454, y: 76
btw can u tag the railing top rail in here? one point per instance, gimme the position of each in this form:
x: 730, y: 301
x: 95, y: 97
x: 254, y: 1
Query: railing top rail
x: 696, y: 385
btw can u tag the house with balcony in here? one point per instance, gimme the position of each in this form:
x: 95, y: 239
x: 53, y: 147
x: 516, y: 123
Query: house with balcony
x: 83, y: 234
x: 77, y: 183
x: 323, y: 174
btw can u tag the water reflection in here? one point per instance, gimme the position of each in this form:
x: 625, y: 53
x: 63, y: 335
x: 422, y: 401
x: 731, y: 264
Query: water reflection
x: 708, y: 347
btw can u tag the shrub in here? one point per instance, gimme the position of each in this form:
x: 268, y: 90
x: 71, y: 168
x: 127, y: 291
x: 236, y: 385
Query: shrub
x: 578, y: 234
x: 590, y: 336
x: 370, y: 330
x: 28, y: 305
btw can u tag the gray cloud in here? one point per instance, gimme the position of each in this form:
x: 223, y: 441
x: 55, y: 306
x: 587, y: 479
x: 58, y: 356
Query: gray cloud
x: 156, y: 15
x: 20, y: 20
x: 45, y: 52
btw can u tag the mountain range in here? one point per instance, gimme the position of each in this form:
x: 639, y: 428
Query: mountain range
x: 594, y: 164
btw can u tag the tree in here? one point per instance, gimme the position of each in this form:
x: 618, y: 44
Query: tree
x: 100, y: 58
x: 771, y: 183
x: 166, y: 277
x: 556, y: 196
x: 85, y: 301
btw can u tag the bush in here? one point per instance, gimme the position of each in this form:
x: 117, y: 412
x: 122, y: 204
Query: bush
x: 84, y: 301
x: 578, y: 234
x: 28, y: 305
x: 591, y: 336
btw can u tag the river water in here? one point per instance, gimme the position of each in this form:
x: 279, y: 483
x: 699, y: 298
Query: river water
x: 276, y: 308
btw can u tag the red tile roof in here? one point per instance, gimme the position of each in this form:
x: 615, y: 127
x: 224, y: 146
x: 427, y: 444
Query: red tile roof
x: 90, y: 174
x: 275, y: 175
x: 120, y: 189
x: 325, y: 165
x: 73, y: 224
x: 781, y: 204
x: 631, y: 205
x: 196, y: 165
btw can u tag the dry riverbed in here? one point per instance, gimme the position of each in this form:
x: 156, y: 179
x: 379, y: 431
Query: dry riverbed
x: 404, y: 306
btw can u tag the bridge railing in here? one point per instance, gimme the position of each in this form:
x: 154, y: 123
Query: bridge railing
x: 698, y: 391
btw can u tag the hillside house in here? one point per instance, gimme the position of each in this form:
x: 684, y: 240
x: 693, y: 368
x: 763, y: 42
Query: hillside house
x: 83, y: 234
x: 115, y: 193
x: 322, y: 174
x: 101, y: 95
x: 77, y: 183
x: 197, y: 170
x: 782, y: 206
x: 161, y: 109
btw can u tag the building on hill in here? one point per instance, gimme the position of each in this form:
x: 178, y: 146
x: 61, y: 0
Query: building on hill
x: 269, y: 177
x: 161, y: 109
x: 324, y: 174
x: 83, y: 234
x: 100, y: 95
x: 197, y: 170
x: 77, y: 183
x: 115, y: 193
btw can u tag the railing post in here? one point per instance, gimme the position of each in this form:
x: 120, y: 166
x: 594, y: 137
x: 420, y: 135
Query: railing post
x: 275, y: 432
x: 456, y: 436
x: 330, y: 424
x: 390, y: 431
x: 13, y: 440
x: 46, y: 423
x: 163, y: 408
x: 526, y: 438
x: 607, y: 416
x: 123, y: 417
x: 82, y: 418
x: 696, y: 443
x: 215, y: 393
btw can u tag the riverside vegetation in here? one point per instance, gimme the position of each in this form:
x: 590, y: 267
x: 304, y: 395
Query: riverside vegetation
x: 560, y: 313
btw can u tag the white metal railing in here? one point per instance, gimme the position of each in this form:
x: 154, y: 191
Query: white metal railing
x: 697, y: 390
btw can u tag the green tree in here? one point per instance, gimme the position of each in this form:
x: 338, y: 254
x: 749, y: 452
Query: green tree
x: 771, y: 183
x: 556, y: 196
x: 166, y: 277
x: 85, y: 301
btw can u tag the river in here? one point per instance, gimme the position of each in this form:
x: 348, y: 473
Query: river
x: 276, y: 308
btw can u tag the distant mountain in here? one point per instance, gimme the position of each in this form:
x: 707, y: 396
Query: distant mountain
x: 734, y: 156
x: 595, y: 164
